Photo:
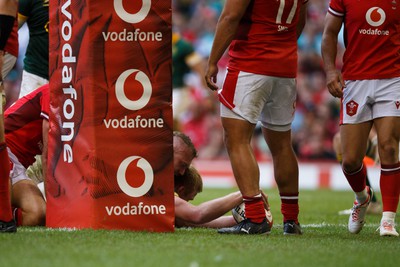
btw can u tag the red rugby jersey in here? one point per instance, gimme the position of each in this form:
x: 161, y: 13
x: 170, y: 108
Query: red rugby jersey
x: 23, y: 125
x: 266, y: 41
x: 372, y: 38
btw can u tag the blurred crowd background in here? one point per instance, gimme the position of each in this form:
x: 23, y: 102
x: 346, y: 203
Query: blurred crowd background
x: 317, y: 112
x: 196, y: 108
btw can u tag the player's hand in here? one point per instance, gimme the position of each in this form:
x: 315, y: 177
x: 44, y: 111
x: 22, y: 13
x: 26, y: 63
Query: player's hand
x: 211, y: 76
x: 335, y: 83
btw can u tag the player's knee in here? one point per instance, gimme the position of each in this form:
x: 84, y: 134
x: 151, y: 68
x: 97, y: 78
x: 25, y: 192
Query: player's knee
x: 388, y: 151
x: 350, y: 165
x: 34, y: 215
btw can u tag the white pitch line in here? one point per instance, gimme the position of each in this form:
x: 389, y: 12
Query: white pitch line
x: 44, y: 229
x: 325, y: 225
x: 312, y: 225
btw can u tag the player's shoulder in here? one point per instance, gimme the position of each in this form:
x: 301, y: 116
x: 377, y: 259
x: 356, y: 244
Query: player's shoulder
x: 337, y: 7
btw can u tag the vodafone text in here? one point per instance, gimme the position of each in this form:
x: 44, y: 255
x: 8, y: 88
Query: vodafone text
x: 373, y: 32
x: 137, y: 122
x: 140, y: 209
x: 70, y: 95
x: 134, y: 36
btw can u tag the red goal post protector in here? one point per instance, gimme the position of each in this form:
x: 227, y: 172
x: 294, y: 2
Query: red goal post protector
x: 110, y: 160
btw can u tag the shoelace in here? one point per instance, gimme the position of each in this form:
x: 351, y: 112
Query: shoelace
x: 355, y: 212
x: 386, y: 225
x: 356, y: 209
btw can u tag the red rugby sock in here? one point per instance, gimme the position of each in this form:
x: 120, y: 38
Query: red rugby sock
x: 254, y: 208
x: 5, y: 199
x: 390, y: 186
x: 290, y: 207
x: 358, y: 179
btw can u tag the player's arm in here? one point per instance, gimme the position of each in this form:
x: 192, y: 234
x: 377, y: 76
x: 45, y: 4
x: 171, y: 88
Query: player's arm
x: 223, y: 221
x: 8, y: 9
x: 227, y: 25
x: 302, y: 18
x: 329, y: 44
x: 191, y: 215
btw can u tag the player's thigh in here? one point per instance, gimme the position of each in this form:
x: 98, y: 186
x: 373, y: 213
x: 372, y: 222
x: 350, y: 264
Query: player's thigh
x: 388, y: 126
x: 27, y: 196
x: 278, y: 141
x: 386, y: 110
x: 388, y: 131
x: 354, y: 141
x: 237, y: 130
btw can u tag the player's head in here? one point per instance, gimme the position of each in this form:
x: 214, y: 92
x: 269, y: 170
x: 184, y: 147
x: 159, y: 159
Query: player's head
x: 184, y: 153
x: 188, y: 185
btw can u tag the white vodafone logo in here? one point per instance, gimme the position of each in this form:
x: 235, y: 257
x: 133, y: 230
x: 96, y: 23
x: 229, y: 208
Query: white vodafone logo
x: 132, y: 18
x: 375, y: 16
x: 148, y: 177
x: 120, y: 92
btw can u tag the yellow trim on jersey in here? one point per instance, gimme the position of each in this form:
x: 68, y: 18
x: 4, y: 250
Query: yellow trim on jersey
x: 175, y: 37
x: 22, y: 17
x: 21, y: 20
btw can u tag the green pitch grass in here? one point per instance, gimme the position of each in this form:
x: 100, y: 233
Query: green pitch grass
x: 325, y: 242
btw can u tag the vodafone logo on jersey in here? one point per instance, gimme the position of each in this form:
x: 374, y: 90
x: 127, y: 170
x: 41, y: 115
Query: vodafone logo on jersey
x: 120, y: 90
x: 143, y: 166
x: 375, y: 16
x: 132, y: 18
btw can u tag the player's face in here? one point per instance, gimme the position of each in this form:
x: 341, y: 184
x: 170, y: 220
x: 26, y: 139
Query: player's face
x: 182, y: 157
x: 189, y: 196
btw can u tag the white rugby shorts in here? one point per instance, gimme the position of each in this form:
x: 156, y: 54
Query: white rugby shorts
x: 366, y: 100
x: 18, y: 171
x: 30, y: 82
x: 254, y: 97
